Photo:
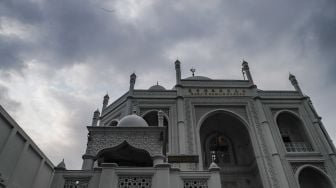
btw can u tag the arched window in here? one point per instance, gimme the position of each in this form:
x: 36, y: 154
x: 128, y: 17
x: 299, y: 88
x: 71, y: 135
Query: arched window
x: 293, y: 133
x: 152, y: 119
x: 113, y: 123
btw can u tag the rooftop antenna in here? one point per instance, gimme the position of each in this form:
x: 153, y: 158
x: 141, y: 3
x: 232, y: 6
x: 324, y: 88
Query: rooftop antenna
x: 193, y: 70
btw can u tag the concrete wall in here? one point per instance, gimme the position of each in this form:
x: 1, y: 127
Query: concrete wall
x: 161, y: 176
x: 22, y: 164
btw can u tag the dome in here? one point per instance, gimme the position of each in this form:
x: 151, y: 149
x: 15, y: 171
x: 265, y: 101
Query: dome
x: 198, y: 78
x: 132, y: 121
x: 157, y: 88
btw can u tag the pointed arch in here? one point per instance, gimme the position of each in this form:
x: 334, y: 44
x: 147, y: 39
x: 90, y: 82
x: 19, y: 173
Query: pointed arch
x: 309, y: 176
x: 293, y: 132
x: 125, y: 155
x: 226, y: 136
x: 151, y: 117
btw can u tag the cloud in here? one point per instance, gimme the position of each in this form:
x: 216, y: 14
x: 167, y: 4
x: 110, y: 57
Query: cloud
x: 59, y: 57
x: 7, y: 102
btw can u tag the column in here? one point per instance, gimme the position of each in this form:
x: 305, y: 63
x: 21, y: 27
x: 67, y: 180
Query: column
x: 276, y: 160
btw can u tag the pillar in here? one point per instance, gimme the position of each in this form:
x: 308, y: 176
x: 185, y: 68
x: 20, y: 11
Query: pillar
x: 105, y: 102
x: 276, y: 160
x: 88, y: 161
x: 95, y: 118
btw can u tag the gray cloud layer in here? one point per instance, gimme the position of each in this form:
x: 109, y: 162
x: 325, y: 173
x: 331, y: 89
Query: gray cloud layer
x: 74, y: 51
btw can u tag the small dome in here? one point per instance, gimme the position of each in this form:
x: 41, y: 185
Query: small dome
x: 198, y: 78
x: 132, y: 121
x: 157, y: 87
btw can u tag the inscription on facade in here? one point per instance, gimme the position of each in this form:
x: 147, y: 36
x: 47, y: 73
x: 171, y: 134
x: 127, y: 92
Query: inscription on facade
x: 183, y: 159
x: 216, y: 92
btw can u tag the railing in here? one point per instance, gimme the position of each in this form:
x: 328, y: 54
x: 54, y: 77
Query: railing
x: 298, y: 147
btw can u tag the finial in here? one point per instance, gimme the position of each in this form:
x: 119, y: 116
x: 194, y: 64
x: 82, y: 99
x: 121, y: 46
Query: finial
x: 61, y: 165
x: 193, y: 70
x: 245, y: 65
x: 177, y: 63
x: 157, y: 82
x: 292, y: 78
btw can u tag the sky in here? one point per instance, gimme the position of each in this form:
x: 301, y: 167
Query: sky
x: 58, y: 58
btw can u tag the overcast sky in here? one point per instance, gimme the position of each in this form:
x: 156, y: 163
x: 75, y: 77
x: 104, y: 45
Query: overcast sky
x: 58, y: 58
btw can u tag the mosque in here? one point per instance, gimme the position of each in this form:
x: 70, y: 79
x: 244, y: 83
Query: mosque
x: 202, y: 133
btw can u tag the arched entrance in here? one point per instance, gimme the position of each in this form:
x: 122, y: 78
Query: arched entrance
x: 125, y: 155
x: 310, y: 177
x: 225, y: 139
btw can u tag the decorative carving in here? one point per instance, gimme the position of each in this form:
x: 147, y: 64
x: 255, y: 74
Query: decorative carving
x: 134, y: 182
x: 296, y: 165
x: 260, y: 134
x: 216, y: 92
x: 195, y: 183
x: 189, y: 126
x: 279, y: 93
x: 294, y: 110
x: 139, y: 139
x: 183, y: 159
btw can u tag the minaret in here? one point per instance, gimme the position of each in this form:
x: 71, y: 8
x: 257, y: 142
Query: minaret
x: 246, y: 70
x: 95, y: 118
x: 61, y: 166
x: 178, y: 72
x: 132, y: 83
x: 105, y: 101
x: 295, y: 83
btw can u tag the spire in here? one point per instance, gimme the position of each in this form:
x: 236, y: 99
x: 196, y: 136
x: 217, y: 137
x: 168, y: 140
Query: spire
x: 246, y: 70
x: 61, y: 165
x: 295, y: 83
x: 95, y: 118
x: 132, y: 83
x: 178, y: 71
x: 105, y: 101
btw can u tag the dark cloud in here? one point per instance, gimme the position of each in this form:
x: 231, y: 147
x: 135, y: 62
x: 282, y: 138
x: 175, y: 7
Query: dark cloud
x: 116, y: 38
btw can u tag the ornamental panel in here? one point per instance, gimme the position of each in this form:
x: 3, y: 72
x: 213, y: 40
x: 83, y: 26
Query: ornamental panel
x: 134, y: 182
x: 195, y: 183
x: 101, y: 140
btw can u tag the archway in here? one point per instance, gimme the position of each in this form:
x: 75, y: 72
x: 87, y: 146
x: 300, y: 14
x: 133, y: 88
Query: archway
x: 225, y: 139
x: 310, y: 177
x: 293, y: 133
x: 125, y: 155
x: 151, y: 118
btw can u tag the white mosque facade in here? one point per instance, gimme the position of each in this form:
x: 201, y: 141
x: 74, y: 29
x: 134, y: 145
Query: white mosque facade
x: 203, y: 133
